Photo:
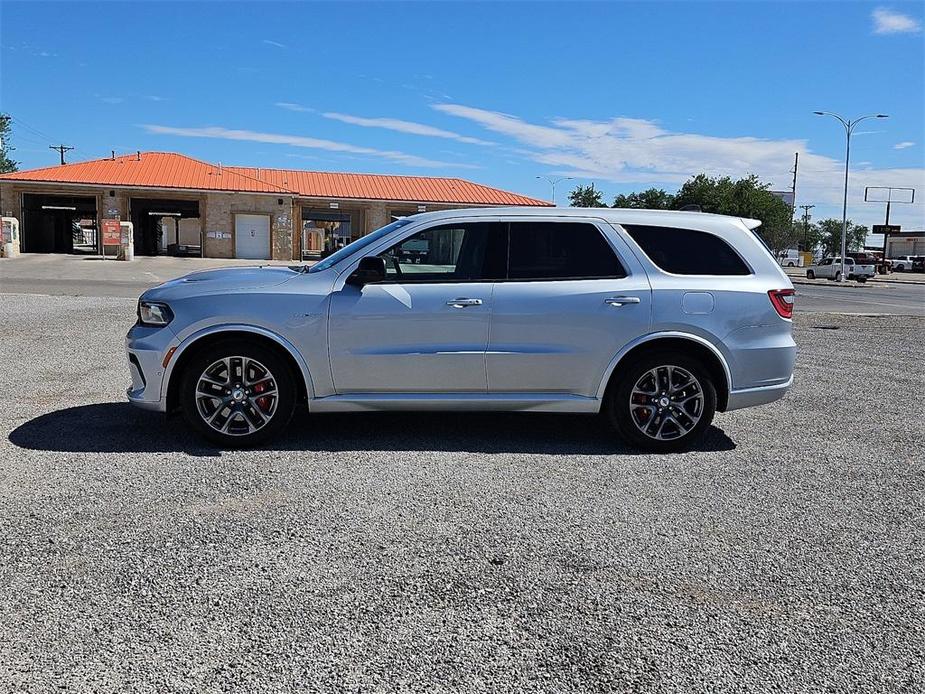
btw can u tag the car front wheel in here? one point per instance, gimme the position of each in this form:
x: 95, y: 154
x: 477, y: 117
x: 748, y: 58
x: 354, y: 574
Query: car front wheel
x: 662, y: 403
x: 810, y: 275
x: 237, y: 394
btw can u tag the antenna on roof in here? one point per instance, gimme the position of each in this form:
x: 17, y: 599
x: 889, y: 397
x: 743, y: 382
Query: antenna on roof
x: 113, y: 157
x: 220, y: 168
x: 258, y: 173
x: 138, y: 155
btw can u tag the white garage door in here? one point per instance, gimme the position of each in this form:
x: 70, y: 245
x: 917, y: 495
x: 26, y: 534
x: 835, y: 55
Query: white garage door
x: 252, y: 236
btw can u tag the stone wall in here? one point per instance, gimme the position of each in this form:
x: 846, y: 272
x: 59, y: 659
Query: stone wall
x: 218, y: 212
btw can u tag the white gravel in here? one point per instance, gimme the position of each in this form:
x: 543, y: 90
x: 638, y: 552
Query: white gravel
x: 459, y: 552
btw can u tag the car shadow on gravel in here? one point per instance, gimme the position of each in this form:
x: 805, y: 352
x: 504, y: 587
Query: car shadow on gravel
x: 121, y: 428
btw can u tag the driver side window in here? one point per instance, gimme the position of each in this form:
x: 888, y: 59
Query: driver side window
x: 448, y: 253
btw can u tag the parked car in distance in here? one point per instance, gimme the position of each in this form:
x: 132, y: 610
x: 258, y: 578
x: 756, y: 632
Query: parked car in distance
x: 870, y: 257
x: 790, y: 258
x: 830, y: 268
x: 904, y: 263
x: 657, y: 319
x: 918, y: 263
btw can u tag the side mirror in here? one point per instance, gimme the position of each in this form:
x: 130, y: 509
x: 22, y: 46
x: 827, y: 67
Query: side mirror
x: 370, y: 270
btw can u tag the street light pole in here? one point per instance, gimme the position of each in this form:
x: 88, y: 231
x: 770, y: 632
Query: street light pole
x: 553, y: 181
x: 849, y: 128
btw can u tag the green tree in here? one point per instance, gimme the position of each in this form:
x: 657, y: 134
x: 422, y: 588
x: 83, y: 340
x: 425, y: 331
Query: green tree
x: 745, y: 197
x: 586, y: 196
x: 651, y: 199
x: 6, y: 164
x: 829, y: 236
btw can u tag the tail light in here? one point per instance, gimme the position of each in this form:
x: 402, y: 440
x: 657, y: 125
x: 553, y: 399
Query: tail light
x: 782, y: 300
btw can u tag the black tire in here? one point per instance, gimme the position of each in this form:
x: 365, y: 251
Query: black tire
x: 619, y: 413
x: 276, y: 414
x: 810, y: 275
x: 838, y: 276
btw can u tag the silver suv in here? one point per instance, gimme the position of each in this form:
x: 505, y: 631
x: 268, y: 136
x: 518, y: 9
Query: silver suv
x: 657, y: 319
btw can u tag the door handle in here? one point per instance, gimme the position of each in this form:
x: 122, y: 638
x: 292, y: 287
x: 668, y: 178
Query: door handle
x: 462, y: 303
x: 617, y: 301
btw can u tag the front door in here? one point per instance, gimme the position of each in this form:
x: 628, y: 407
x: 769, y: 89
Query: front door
x: 425, y: 329
x: 569, y: 305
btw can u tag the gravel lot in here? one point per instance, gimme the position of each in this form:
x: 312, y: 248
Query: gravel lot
x: 459, y: 553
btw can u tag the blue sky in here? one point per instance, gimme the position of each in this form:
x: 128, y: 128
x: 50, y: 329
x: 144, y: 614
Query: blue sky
x: 626, y: 95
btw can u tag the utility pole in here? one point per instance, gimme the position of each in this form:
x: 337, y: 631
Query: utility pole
x: 61, y: 149
x: 806, y: 209
x: 793, y: 190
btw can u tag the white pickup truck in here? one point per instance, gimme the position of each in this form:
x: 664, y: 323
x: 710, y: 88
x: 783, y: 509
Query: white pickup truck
x: 830, y: 268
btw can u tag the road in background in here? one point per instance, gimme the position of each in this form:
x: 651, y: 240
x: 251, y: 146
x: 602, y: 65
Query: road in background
x: 894, y: 299
x: 68, y: 275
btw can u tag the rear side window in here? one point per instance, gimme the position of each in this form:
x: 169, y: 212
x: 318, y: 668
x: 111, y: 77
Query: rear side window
x: 687, y: 252
x: 560, y: 251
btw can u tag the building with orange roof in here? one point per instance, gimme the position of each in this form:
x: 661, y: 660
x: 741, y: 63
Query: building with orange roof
x: 184, y: 206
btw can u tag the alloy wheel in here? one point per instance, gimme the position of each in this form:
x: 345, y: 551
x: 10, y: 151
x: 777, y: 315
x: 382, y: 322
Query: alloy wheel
x: 666, y: 402
x: 236, y: 396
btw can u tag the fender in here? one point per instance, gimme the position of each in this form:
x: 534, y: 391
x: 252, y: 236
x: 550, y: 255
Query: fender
x: 655, y: 336
x: 238, y: 327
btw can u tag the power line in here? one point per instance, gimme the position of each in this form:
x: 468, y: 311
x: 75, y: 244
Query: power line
x: 35, y: 131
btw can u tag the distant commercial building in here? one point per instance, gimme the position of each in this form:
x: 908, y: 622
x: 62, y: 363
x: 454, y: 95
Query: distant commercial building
x: 905, y: 243
x: 183, y: 206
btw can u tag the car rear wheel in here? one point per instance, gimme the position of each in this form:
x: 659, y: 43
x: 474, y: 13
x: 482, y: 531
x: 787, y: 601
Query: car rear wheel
x: 838, y: 276
x: 810, y: 275
x: 663, y: 402
x: 237, y: 394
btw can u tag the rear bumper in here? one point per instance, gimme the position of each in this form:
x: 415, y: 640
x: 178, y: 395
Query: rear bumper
x: 750, y: 397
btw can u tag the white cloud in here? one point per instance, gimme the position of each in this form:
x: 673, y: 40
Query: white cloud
x: 277, y: 44
x: 642, y: 153
x: 298, y: 108
x: 904, y: 145
x: 889, y: 22
x: 300, y: 141
x: 404, y: 126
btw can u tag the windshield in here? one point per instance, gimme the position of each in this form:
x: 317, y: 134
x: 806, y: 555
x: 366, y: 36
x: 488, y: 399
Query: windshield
x: 358, y: 245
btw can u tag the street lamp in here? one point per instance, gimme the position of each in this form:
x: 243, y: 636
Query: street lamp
x: 553, y: 181
x: 849, y: 127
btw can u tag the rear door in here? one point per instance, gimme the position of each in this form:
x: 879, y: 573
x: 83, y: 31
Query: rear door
x: 574, y: 295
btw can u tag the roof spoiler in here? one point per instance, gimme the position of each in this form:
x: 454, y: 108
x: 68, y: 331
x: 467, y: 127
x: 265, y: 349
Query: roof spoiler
x: 752, y: 224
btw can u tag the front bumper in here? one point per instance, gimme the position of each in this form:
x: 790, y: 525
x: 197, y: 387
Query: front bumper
x: 145, y: 349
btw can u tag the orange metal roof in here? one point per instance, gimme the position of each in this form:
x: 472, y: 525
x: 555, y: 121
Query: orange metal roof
x: 148, y: 170
x: 171, y: 170
x: 321, y: 184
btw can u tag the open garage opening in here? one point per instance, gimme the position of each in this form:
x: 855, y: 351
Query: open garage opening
x: 166, y: 226
x: 59, y: 224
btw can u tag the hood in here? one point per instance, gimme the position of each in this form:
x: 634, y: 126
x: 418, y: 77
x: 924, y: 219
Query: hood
x: 222, y: 281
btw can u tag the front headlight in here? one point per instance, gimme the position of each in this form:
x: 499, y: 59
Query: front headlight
x: 154, y: 313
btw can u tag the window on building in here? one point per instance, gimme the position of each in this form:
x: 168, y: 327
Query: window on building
x: 687, y: 252
x: 450, y: 253
x: 560, y: 251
